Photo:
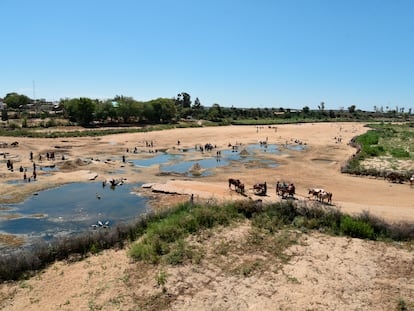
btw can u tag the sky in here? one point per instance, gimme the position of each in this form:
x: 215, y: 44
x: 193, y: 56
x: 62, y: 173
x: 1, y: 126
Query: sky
x: 261, y: 53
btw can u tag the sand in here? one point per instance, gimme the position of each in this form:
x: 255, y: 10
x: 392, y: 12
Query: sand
x: 326, y: 273
x: 318, y: 166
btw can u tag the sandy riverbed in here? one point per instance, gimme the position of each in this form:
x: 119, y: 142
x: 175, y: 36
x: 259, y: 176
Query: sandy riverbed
x: 318, y: 166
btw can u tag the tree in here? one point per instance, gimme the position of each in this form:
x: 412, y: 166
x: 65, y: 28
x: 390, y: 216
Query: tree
x: 306, y: 110
x: 197, y: 104
x: 215, y: 113
x: 70, y: 108
x: 106, y: 110
x: 352, y: 109
x: 197, y: 110
x: 126, y: 110
x: 16, y: 101
x: 86, y: 110
x: 184, y: 99
x: 149, y: 114
x: 163, y: 110
x: 321, y: 107
x: 80, y: 110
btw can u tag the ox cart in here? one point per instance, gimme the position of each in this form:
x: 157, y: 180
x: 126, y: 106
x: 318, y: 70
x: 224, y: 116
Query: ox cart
x: 260, y: 189
x: 285, y: 189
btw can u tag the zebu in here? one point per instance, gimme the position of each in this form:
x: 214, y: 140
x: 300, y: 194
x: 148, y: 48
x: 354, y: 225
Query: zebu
x: 238, y: 185
x: 241, y: 187
x: 234, y: 182
x: 314, y: 192
x: 324, y: 195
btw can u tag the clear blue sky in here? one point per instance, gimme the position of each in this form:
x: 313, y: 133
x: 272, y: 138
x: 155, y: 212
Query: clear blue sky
x: 261, y: 53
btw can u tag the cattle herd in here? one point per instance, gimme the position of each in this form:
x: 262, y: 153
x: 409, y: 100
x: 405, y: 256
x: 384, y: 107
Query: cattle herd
x: 288, y: 190
x: 320, y: 195
x: 283, y: 189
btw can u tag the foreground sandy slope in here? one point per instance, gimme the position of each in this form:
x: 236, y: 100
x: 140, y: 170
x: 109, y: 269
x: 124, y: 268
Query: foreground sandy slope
x: 322, y: 273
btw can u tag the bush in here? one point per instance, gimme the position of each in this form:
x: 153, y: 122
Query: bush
x: 374, y: 151
x: 401, y: 232
x: 369, y: 138
x: 163, y: 234
x: 356, y: 228
x: 276, y: 216
x: 179, y: 253
x: 399, y: 153
x: 148, y: 251
x: 248, y: 208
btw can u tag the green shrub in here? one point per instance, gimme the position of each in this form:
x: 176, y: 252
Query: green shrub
x: 167, y: 230
x: 248, y: 208
x: 275, y: 216
x: 356, y: 228
x: 144, y: 252
x: 163, y: 235
x: 94, y: 248
x: 179, y: 252
x: 369, y: 138
x: 150, y: 249
x: 267, y: 222
x: 205, y: 218
x: 14, y: 126
x: 399, y: 153
x: 374, y: 151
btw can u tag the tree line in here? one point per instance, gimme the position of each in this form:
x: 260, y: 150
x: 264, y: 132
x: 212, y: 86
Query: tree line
x: 126, y: 110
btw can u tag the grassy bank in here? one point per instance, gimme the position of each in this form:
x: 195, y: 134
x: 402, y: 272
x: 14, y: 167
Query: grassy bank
x: 391, y: 144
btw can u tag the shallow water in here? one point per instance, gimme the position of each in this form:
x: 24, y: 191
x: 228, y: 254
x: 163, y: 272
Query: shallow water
x: 271, y: 148
x: 157, y: 159
x: 174, y: 163
x: 296, y: 147
x: 75, y: 207
x: 185, y: 166
x: 48, y: 168
x: 17, y: 182
x: 72, y: 208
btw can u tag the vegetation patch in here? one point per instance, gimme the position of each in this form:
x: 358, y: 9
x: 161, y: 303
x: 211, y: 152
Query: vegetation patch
x: 392, y: 147
x: 163, y: 237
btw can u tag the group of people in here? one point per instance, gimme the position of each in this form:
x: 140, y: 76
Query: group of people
x: 22, y: 169
x: 149, y: 144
